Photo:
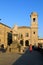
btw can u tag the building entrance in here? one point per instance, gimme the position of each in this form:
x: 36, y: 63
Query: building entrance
x: 26, y: 43
x: 21, y: 42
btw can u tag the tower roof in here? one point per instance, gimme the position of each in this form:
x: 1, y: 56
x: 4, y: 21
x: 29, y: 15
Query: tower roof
x: 34, y: 14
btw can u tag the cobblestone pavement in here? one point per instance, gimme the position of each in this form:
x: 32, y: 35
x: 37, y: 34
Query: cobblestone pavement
x: 30, y: 58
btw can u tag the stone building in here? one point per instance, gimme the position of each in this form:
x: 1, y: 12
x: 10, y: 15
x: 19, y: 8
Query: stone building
x: 5, y: 35
x: 23, y: 35
x: 28, y: 35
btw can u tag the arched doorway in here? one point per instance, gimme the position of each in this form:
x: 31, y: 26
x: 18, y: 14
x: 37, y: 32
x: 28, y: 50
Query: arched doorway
x: 26, y: 43
x: 21, y: 42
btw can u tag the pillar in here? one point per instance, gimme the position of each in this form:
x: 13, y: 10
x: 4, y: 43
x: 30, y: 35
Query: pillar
x: 24, y: 43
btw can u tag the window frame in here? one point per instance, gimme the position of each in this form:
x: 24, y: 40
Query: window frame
x: 27, y: 34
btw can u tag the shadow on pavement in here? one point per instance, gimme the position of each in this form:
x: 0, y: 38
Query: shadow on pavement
x: 30, y: 58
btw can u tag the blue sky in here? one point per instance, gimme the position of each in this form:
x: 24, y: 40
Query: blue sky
x: 18, y: 12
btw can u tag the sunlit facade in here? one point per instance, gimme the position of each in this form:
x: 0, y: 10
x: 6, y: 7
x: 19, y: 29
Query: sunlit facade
x: 23, y: 35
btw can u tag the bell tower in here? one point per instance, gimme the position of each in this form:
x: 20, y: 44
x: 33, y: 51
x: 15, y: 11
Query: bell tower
x: 34, y: 28
x: 34, y: 19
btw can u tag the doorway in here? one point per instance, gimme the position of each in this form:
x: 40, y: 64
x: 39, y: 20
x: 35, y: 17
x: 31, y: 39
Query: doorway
x: 26, y: 43
x: 21, y: 42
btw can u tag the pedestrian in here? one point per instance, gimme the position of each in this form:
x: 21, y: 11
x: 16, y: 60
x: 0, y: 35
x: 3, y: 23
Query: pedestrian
x: 30, y: 47
x: 38, y: 47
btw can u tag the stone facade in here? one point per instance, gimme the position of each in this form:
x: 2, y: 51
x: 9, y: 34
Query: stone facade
x: 4, y: 30
x: 28, y: 35
x: 23, y: 35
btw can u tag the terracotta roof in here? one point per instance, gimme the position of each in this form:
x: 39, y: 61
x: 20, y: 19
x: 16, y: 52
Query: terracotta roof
x: 24, y: 27
x: 5, y: 25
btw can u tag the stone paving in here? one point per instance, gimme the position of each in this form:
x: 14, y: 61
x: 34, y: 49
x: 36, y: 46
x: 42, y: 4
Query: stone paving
x: 8, y: 58
x: 28, y: 58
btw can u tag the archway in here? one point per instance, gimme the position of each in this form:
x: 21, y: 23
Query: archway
x: 21, y: 42
x: 26, y: 43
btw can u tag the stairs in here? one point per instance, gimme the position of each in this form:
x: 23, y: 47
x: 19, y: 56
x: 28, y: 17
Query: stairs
x: 13, y: 47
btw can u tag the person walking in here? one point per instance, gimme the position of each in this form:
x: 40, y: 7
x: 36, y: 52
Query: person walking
x: 30, y: 47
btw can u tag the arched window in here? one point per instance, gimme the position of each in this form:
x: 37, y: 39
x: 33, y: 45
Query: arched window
x: 34, y: 19
x: 21, y: 42
x: 33, y: 32
x: 27, y: 43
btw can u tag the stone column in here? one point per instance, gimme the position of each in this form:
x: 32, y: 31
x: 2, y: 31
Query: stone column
x: 24, y: 43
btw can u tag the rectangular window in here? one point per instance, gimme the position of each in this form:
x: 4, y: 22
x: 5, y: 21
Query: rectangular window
x: 27, y: 34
